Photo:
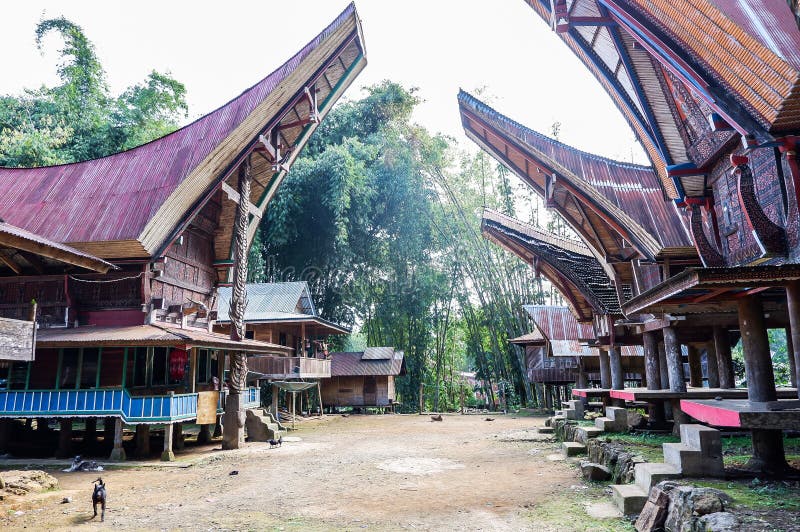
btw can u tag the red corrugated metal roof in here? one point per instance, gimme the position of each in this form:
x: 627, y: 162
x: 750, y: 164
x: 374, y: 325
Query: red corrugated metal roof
x: 113, y: 198
x: 632, y: 188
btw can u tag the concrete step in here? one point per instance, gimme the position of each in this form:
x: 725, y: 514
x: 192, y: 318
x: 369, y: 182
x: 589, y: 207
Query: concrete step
x: 684, y: 458
x: 629, y: 498
x: 702, y: 438
x: 619, y: 415
x: 649, y: 474
x: 572, y: 448
x: 605, y: 424
x: 584, y: 434
x: 545, y: 430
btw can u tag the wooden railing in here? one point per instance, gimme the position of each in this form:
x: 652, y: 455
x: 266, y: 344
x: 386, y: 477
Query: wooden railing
x: 291, y: 367
x: 113, y: 402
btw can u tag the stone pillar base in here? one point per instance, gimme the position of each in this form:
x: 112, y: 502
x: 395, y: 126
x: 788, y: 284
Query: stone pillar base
x: 233, y: 422
x: 118, y: 452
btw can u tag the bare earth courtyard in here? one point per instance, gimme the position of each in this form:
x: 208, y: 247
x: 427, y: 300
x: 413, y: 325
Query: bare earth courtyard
x: 360, y: 472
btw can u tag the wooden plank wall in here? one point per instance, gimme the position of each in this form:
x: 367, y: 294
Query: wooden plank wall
x: 349, y: 391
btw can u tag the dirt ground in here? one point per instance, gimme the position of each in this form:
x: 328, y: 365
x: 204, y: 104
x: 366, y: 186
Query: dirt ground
x: 360, y: 472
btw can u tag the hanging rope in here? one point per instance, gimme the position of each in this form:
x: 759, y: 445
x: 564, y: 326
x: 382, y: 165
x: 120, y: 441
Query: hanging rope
x: 108, y: 280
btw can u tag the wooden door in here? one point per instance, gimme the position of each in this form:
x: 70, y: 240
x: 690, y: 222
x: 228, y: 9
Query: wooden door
x: 370, y: 391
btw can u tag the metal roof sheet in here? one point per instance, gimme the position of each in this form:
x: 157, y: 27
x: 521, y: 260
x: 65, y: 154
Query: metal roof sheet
x: 148, y: 335
x: 558, y: 323
x: 115, y: 198
x: 347, y: 364
x: 378, y: 353
x: 18, y: 238
x: 632, y: 190
x: 270, y: 302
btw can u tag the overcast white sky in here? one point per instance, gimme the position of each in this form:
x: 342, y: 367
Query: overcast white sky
x: 217, y: 49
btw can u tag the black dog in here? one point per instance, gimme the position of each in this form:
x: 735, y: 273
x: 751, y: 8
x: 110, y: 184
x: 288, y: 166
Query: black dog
x: 99, y: 497
x: 276, y: 443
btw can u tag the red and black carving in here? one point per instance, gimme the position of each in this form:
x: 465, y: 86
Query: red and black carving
x: 770, y: 236
x: 708, y: 253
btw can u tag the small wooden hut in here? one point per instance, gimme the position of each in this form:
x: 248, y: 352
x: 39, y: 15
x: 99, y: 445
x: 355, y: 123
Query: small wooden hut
x: 363, y: 379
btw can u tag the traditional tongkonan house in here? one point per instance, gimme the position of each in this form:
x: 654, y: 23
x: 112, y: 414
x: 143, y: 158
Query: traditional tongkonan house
x: 559, y: 355
x: 580, y: 278
x: 134, y: 346
x: 363, y: 379
x: 712, y: 91
x: 632, y: 236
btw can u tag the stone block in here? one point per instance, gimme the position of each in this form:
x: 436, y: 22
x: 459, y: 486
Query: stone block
x: 649, y: 474
x: 545, y: 430
x: 629, y: 498
x: 584, y: 434
x: 595, y: 472
x: 654, y: 512
x: 571, y: 448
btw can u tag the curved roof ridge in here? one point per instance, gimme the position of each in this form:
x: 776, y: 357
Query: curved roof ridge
x: 467, y: 98
x: 575, y: 246
x: 629, y: 194
x: 347, y: 12
x: 122, y: 197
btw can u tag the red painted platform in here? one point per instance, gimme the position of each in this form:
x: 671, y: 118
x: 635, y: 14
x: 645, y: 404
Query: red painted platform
x: 740, y: 413
x: 643, y: 394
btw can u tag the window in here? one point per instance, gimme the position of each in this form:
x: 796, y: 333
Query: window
x: 89, y: 368
x: 202, y: 365
x: 207, y: 365
x: 282, y: 339
x: 69, y: 368
x: 250, y: 335
x: 160, y: 366
x: 139, y: 365
x: 17, y: 375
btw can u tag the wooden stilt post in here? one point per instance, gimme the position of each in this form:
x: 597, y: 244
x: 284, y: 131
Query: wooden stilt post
x: 793, y: 306
x: 695, y: 366
x: 319, y: 395
x: 790, y: 357
x: 167, y: 455
x: 275, y: 396
x: 663, y: 370
x: 676, y: 380
x: 581, y: 381
x: 711, y: 365
x: 64, y: 439
x: 294, y: 394
x: 650, y: 344
x: 90, y: 433
x: 722, y: 345
x: 652, y: 371
x: 178, y: 442
x: 674, y: 361
x: 615, y: 362
x: 768, y: 452
x: 605, y: 369
x: 118, y: 452
x: 142, y: 440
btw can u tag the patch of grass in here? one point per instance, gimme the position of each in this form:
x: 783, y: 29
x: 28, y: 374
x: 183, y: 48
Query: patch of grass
x: 567, y: 511
x: 646, y: 445
x: 758, y: 495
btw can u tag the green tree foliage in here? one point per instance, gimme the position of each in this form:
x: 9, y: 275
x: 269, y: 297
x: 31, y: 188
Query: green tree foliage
x: 383, y: 220
x: 79, y: 119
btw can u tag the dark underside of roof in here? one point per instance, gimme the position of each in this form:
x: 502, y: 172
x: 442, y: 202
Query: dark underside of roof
x: 584, y: 271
